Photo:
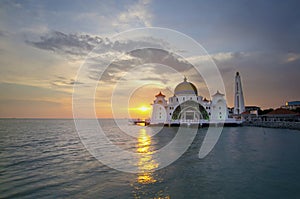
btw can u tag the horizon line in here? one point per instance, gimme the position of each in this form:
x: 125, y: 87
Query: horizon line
x: 54, y: 118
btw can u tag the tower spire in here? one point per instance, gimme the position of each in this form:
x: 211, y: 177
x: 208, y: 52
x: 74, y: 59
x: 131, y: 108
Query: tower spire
x: 239, y: 105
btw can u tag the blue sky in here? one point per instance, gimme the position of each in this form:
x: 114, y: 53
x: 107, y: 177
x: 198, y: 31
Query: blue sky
x: 41, y: 46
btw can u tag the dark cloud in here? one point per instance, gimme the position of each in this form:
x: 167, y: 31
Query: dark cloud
x: 159, y: 56
x: 148, y: 60
x: 70, y: 44
x: 75, y: 45
x: 64, y: 82
x: 118, y: 58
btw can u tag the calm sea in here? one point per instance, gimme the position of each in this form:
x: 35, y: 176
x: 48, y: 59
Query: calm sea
x: 46, y: 159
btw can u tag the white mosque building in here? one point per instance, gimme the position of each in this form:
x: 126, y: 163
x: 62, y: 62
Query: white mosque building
x: 187, y: 107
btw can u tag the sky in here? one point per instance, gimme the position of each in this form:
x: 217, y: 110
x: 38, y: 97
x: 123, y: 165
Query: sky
x: 43, y: 44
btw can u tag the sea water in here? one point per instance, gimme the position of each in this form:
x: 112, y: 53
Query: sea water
x: 44, y: 158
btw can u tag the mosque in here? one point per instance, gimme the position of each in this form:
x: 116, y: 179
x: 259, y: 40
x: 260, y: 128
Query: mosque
x: 189, y: 108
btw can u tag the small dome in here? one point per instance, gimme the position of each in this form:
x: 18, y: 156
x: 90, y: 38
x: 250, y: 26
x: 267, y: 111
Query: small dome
x: 186, y: 88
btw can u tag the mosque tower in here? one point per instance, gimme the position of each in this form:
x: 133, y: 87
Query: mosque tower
x: 159, y: 113
x: 239, y: 105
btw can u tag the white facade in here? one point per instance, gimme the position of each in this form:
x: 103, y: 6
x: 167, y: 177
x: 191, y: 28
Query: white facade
x: 239, y: 105
x: 159, y: 113
x: 219, y: 107
x: 186, y: 106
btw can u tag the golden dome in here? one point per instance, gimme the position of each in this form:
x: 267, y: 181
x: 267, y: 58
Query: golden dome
x: 186, y: 88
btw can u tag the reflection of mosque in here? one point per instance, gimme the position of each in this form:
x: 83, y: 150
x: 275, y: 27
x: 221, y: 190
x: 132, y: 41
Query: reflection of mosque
x: 187, y: 107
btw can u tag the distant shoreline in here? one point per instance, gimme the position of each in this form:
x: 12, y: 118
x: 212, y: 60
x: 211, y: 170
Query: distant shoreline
x: 280, y: 124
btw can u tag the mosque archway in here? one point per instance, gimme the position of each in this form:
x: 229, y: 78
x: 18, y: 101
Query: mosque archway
x: 190, y: 110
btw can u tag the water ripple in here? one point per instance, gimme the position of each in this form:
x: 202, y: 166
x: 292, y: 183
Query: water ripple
x: 46, y: 159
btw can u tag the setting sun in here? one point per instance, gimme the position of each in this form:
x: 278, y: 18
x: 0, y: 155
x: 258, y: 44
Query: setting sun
x: 143, y: 108
x: 141, y: 111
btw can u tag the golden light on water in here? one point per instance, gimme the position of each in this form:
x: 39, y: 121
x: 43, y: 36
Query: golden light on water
x: 146, y: 163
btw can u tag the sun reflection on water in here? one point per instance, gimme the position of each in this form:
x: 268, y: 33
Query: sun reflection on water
x: 146, y: 163
x: 146, y: 181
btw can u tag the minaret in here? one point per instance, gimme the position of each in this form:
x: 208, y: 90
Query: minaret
x: 239, y: 106
x: 159, y: 113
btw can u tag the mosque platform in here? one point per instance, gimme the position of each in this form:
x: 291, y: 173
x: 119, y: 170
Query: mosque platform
x: 140, y: 122
x: 201, y: 123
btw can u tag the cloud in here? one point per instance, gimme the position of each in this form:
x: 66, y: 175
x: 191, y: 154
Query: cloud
x: 136, y: 15
x: 70, y: 44
x: 79, y: 45
x: 105, y: 52
x: 118, y: 58
x: 151, y: 62
x: 64, y: 82
x: 292, y: 57
x: 116, y: 54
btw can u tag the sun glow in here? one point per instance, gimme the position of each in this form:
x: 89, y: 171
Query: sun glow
x: 143, y: 109
x: 140, y: 111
